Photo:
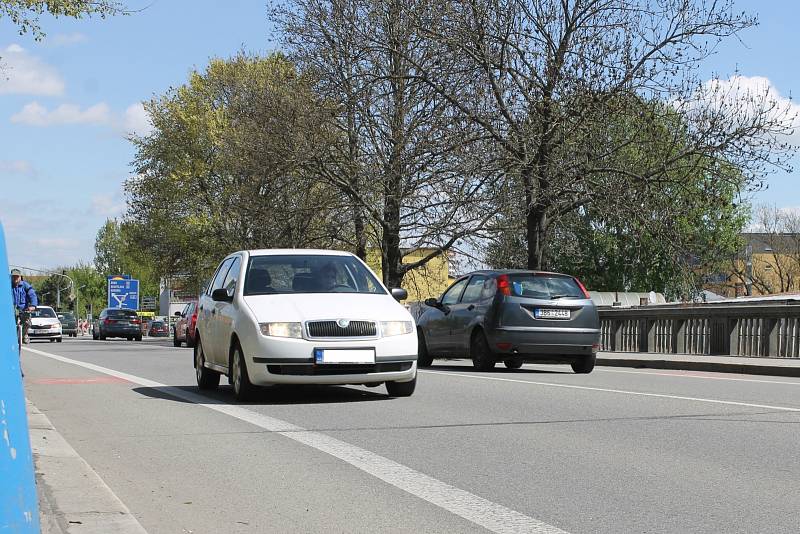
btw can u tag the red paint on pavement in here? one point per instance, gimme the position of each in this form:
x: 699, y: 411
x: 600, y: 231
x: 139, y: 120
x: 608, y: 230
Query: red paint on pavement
x: 91, y: 380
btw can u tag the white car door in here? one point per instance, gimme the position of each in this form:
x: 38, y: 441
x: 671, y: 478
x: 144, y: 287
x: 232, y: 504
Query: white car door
x: 206, y: 313
x: 223, y: 315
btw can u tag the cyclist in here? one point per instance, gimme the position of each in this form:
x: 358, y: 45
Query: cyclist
x: 25, y: 300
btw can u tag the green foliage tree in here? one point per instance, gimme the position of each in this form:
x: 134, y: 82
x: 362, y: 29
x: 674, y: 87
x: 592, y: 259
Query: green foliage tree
x: 118, y: 251
x: 25, y: 14
x: 225, y: 168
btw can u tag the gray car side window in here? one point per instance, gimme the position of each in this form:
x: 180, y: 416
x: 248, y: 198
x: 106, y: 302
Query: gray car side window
x: 451, y: 295
x: 474, y: 289
x: 219, y: 278
x: 232, y: 276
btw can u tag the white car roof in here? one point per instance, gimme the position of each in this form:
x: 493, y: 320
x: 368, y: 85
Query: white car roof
x: 297, y: 252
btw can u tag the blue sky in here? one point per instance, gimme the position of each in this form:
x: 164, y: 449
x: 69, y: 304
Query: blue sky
x: 68, y: 101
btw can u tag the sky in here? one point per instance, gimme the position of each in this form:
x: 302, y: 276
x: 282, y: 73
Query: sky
x: 68, y: 102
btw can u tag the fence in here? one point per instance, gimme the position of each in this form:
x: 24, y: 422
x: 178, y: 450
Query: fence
x: 764, y: 329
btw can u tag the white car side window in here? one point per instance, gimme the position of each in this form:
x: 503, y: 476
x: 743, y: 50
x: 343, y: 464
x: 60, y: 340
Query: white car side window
x: 220, y: 276
x: 232, y: 276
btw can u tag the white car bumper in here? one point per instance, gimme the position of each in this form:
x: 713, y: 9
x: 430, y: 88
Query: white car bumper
x: 274, y: 360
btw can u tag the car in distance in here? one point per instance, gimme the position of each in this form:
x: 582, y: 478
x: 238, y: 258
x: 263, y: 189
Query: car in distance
x: 185, y: 326
x: 513, y: 316
x: 158, y: 329
x: 44, y: 324
x: 69, y: 325
x: 116, y: 322
x: 302, y: 317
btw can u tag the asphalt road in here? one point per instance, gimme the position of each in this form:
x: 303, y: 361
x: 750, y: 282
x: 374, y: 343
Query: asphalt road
x: 539, y: 449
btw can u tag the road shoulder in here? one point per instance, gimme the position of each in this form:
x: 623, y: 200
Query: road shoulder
x: 72, y: 496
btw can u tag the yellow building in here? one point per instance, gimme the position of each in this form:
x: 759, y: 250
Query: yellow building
x: 768, y: 265
x: 430, y: 280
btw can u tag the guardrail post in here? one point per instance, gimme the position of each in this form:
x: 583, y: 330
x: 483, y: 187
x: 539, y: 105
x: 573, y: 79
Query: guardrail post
x: 734, y: 339
x: 644, y: 335
x: 679, y: 331
x: 18, y: 504
x: 771, y: 337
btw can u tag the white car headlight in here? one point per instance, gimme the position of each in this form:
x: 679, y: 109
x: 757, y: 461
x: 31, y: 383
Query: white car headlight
x: 396, y: 328
x: 282, y: 329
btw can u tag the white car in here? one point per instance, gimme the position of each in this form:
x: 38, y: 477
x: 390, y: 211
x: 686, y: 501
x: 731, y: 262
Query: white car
x: 45, y: 324
x: 303, y: 317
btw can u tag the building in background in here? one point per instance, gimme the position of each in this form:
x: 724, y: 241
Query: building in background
x: 768, y: 264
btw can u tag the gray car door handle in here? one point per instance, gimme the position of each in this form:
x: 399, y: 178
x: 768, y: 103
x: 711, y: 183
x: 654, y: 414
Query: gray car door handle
x: 470, y: 307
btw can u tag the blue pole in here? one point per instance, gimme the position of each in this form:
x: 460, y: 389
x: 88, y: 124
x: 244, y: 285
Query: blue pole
x: 19, y: 511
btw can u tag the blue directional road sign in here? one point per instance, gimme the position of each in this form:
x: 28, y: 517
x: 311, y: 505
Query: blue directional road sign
x: 123, y: 292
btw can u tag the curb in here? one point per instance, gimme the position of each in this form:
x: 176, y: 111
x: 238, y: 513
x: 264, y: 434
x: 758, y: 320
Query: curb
x: 72, y: 496
x: 713, y: 367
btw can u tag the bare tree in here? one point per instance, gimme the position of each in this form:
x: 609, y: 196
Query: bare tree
x: 409, y: 166
x: 773, y: 254
x: 542, y: 80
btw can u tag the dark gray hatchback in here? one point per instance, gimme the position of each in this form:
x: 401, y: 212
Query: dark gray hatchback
x: 512, y: 316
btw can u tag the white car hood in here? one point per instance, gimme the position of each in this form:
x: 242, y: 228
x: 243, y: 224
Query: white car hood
x: 294, y: 307
x: 44, y: 321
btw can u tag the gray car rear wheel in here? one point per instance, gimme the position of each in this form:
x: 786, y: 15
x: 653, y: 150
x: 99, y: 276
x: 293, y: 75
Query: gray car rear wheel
x: 482, y: 357
x: 513, y: 363
x: 584, y: 366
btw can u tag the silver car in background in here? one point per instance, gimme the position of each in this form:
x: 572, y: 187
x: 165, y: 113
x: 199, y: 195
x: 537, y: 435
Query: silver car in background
x: 512, y: 316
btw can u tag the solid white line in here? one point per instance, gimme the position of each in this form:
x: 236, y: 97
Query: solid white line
x: 620, y: 391
x: 680, y: 375
x: 492, y: 516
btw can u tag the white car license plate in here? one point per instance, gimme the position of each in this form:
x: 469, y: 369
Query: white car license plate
x: 344, y: 355
x: 551, y: 313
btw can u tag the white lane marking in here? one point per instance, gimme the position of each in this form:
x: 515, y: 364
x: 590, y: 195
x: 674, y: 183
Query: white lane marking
x: 620, y: 391
x: 492, y: 516
x: 681, y: 375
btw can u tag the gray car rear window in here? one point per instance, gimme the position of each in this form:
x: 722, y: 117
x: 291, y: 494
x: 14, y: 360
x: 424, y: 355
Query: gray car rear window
x: 544, y: 286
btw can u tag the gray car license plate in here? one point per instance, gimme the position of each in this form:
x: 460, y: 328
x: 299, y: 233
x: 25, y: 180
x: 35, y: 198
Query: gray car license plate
x: 550, y: 313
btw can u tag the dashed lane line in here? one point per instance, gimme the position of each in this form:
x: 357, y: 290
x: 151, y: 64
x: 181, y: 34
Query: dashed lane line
x: 492, y: 516
x: 618, y: 391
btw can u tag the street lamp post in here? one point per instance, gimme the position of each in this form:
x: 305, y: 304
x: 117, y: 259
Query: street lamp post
x: 77, y: 301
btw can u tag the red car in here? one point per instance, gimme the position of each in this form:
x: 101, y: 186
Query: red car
x: 184, y: 329
x: 158, y: 329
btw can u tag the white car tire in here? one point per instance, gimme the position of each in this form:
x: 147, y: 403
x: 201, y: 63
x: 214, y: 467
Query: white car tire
x: 243, y: 389
x: 401, y: 389
x: 206, y: 378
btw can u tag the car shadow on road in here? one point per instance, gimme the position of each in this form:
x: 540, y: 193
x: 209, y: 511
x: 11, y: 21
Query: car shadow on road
x: 273, y: 395
x: 496, y: 370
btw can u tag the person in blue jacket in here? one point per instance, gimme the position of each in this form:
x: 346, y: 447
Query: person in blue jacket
x: 25, y: 299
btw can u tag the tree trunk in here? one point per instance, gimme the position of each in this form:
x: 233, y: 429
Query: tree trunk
x: 395, y: 169
x: 535, y: 223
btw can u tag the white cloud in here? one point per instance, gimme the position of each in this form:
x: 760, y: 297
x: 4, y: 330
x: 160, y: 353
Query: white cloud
x: 34, y: 114
x: 58, y: 243
x: 133, y: 121
x: 17, y: 166
x: 67, y: 39
x: 22, y: 73
x: 107, y: 205
x: 137, y: 120
x: 751, y: 95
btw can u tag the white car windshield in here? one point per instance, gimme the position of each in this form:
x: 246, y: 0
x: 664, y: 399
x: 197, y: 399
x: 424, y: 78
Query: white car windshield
x: 309, y: 274
x: 43, y: 312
